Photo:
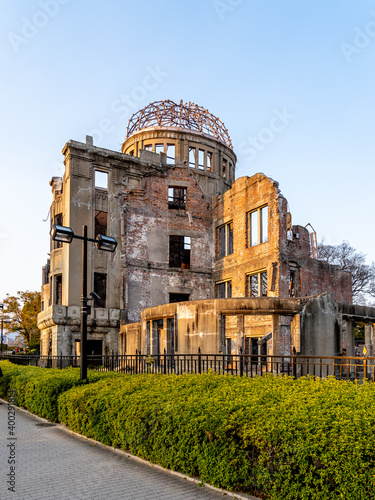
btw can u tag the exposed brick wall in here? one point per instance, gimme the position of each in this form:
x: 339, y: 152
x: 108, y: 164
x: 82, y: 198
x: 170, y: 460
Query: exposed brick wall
x: 147, y: 225
x: 282, y: 251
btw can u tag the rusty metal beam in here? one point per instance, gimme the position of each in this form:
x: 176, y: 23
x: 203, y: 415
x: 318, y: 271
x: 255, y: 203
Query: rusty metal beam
x: 185, y: 116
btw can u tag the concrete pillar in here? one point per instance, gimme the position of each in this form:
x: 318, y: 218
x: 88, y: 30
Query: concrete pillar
x: 275, y: 334
x: 369, y: 339
x: 240, y: 331
x: 350, y: 346
x: 281, y: 335
x: 219, y: 163
x: 285, y: 335
x: 221, y: 331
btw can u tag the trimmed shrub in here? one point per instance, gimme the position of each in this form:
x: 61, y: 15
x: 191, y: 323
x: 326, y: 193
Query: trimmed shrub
x: 273, y: 437
x: 38, y: 389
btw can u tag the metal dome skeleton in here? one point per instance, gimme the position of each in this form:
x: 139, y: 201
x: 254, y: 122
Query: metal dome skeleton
x: 184, y: 116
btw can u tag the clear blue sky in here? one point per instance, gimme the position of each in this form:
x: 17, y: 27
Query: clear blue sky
x: 71, y: 68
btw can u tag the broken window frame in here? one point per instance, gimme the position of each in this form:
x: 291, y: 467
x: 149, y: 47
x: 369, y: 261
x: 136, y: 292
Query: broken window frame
x: 177, y: 198
x: 257, y: 226
x: 228, y: 352
x: 171, y: 154
x: 192, y: 157
x: 58, y: 289
x: 256, y: 284
x: 179, y: 251
x: 209, y: 158
x: 201, y: 162
x: 294, y: 280
x: 100, y: 288
x: 159, y: 148
x: 225, y: 240
x: 99, y: 226
x: 223, y: 289
x: 58, y: 219
x: 101, y: 180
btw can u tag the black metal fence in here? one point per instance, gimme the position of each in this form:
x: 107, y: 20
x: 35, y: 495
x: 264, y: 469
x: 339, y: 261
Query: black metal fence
x: 340, y: 367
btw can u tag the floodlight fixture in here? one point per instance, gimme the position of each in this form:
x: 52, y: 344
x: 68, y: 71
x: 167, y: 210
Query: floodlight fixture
x: 62, y: 233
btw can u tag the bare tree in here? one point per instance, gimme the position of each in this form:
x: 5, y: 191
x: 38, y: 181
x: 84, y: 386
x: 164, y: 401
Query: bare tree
x: 348, y: 259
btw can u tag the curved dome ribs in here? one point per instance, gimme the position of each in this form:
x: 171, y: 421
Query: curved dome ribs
x: 185, y: 116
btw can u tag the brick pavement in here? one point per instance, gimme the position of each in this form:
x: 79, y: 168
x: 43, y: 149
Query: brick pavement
x: 52, y: 463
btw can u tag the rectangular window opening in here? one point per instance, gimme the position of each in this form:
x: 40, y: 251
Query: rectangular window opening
x: 256, y: 284
x: 148, y: 147
x: 176, y: 198
x: 293, y: 281
x: 179, y: 251
x: 225, y: 240
x: 159, y: 148
x: 258, y: 226
x: 178, y: 297
x: 192, y: 153
x: 100, y: 289
x: 101, y: 179
x: 100, y: 223
x: 209, y: 161
x: 201, y: 159
x: 58, y: 289
x: 223, y: 290
x: 171, y: 158
x: 58, y: 219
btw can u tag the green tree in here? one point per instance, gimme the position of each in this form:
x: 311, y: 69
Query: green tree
x: 22, y: 310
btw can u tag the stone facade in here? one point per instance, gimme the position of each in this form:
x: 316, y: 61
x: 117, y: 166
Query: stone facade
x: 310, y: 326
x: 187, y: 232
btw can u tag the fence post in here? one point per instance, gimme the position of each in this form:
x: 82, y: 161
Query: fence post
x: 136, y: 361
x: 165, y: 361
x: 199, y: 360
x: 112, y: 361
x: 241, y: 362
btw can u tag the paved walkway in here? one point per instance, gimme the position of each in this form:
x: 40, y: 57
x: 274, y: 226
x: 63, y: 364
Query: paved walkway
x: 53, y: 464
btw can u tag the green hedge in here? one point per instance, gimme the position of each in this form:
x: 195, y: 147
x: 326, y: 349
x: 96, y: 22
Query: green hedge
x: 273, y: 437
x: 277, y: 438
x: 38, y: 389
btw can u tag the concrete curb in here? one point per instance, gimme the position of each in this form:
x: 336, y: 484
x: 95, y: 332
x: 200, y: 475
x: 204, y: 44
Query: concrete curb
x: 239, y: 496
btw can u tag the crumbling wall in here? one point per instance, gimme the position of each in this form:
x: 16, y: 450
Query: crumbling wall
x: 285, y: 255
x: 148, y: 224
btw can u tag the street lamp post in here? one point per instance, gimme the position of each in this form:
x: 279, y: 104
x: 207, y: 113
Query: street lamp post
x: 66, y: 235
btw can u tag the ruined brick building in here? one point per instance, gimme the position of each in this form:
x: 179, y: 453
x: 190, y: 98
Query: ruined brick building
x: 203, y: 260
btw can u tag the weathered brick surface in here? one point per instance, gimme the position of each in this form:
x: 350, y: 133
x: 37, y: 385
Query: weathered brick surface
x: 148, y: 223
x: 279, y: 252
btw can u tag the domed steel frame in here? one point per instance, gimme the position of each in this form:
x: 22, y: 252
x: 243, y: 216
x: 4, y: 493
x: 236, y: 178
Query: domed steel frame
x: 188, y: 116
